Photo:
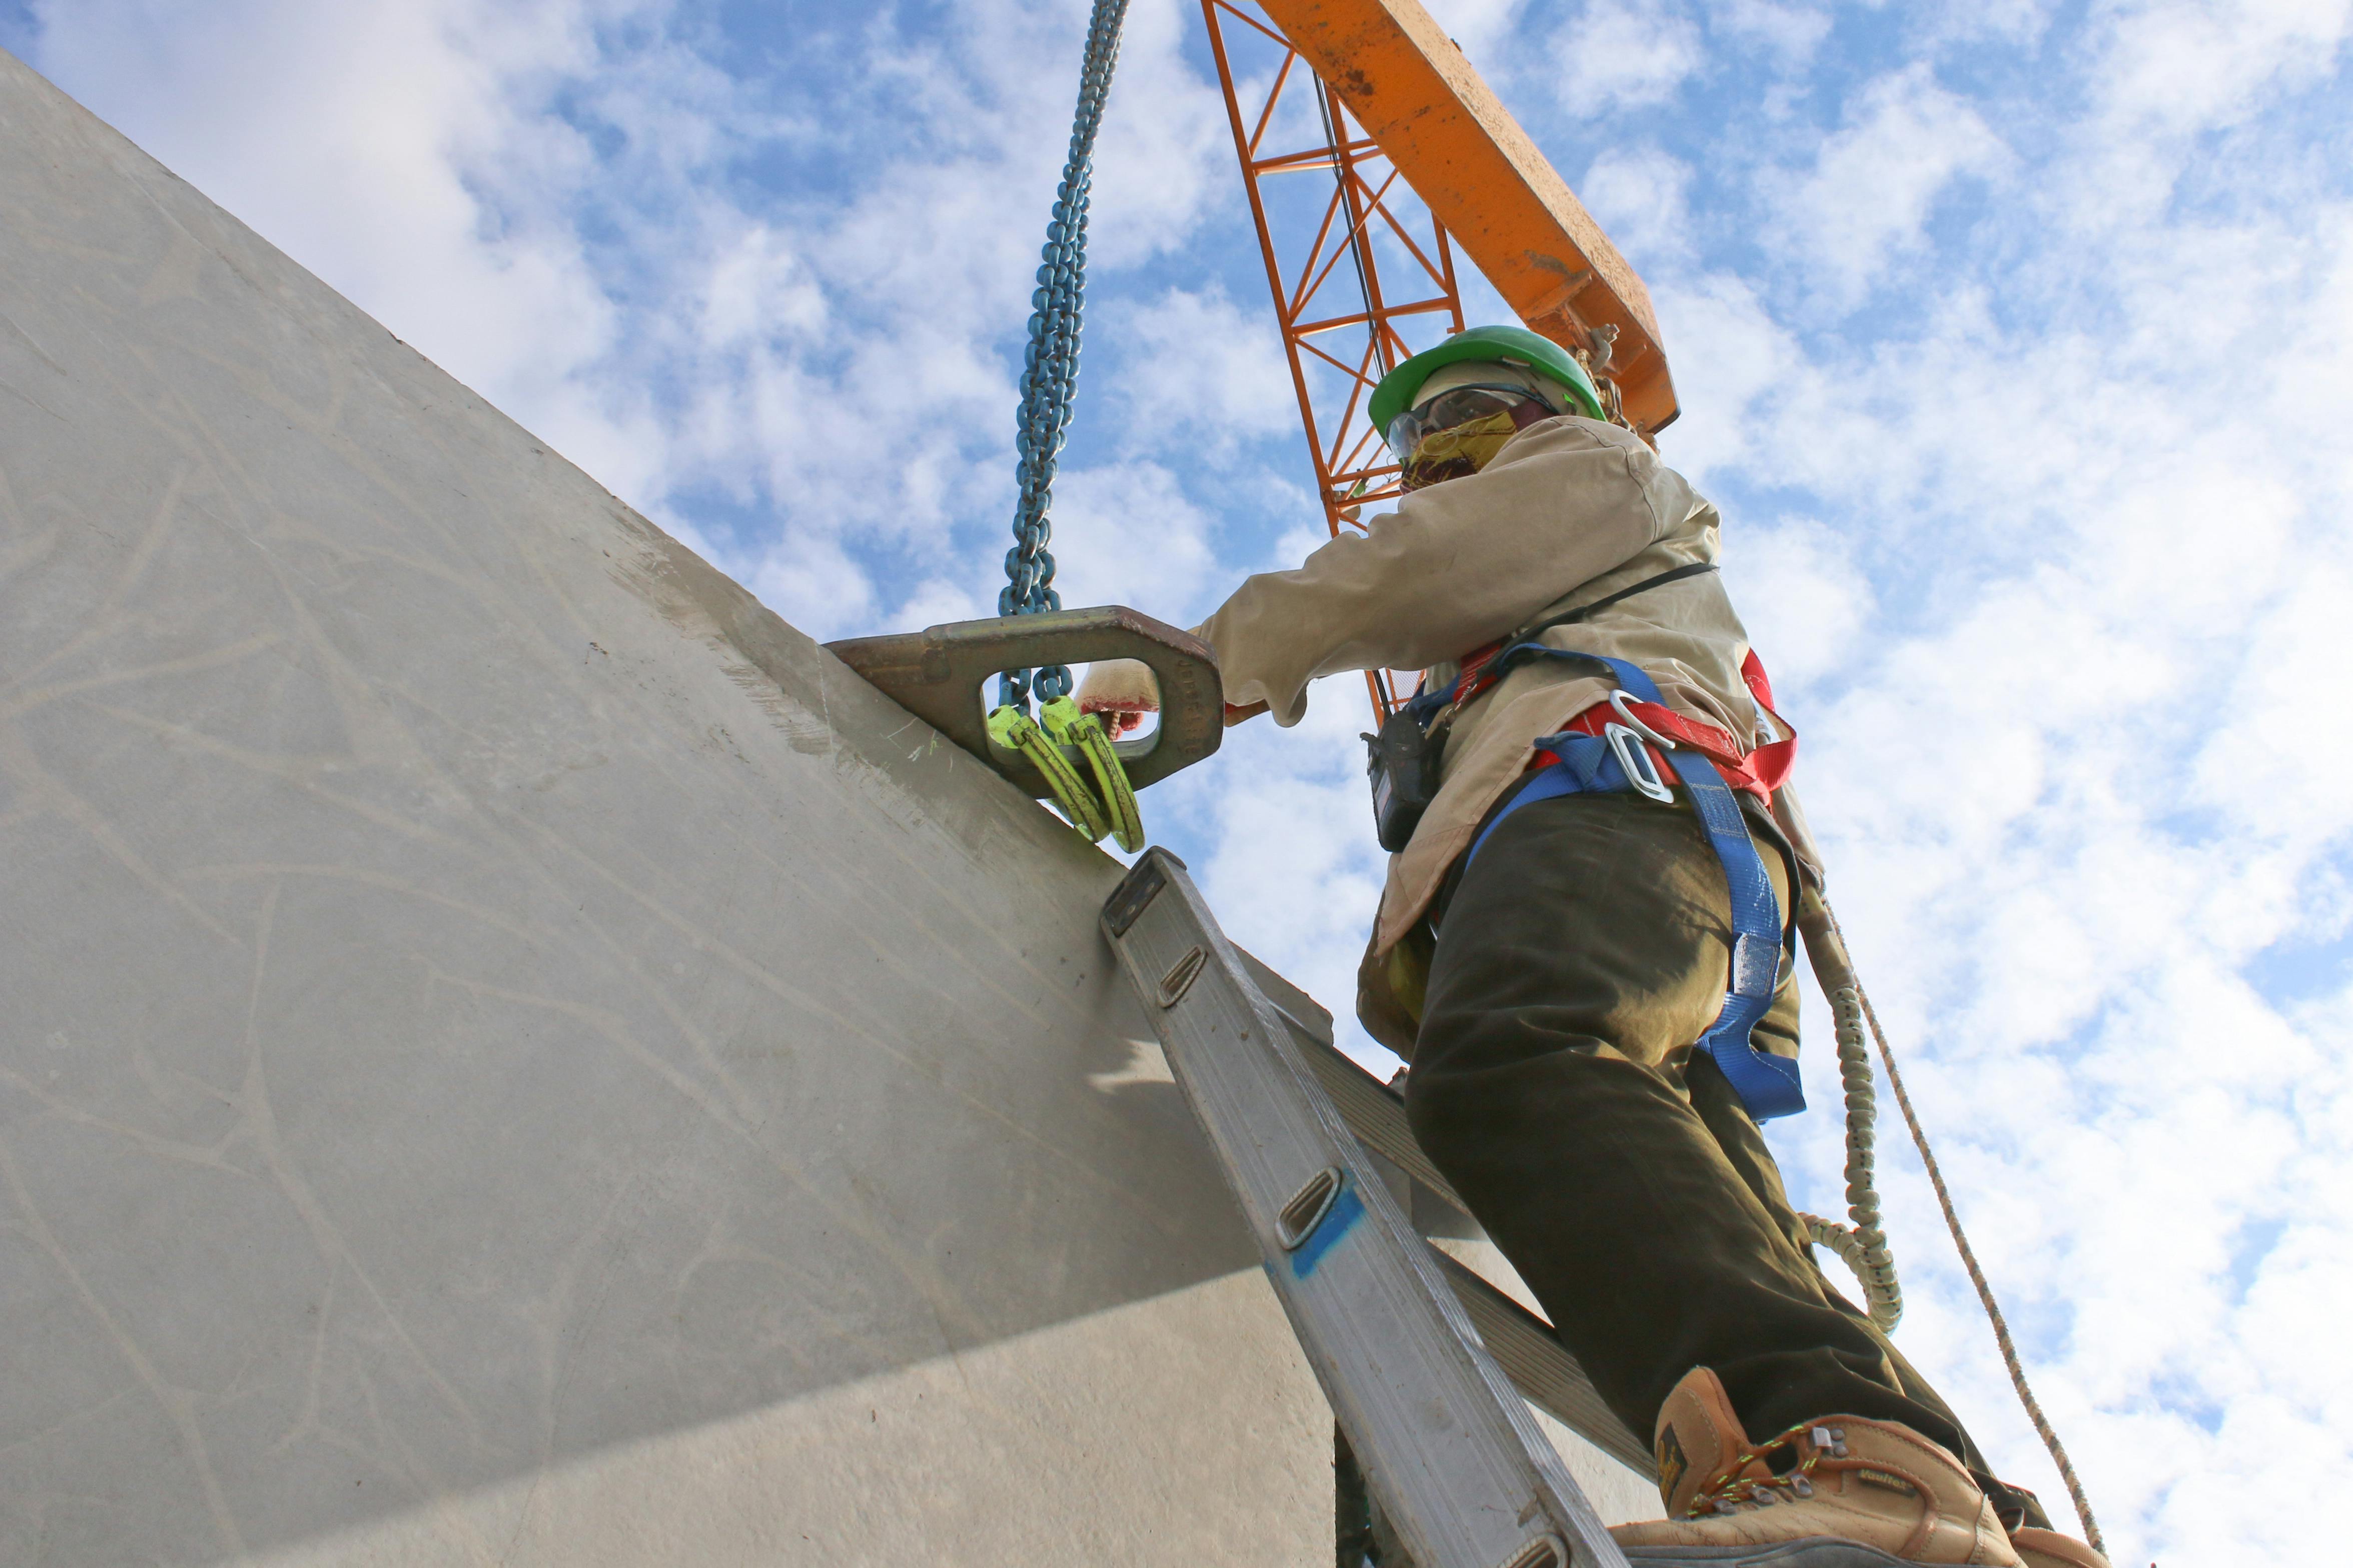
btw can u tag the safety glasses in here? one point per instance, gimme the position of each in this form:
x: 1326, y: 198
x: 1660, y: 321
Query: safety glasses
x: 1456, y: 405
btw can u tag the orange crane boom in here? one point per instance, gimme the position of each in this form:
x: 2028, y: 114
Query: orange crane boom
x: 1372, y: 152
x: 1443, y: 128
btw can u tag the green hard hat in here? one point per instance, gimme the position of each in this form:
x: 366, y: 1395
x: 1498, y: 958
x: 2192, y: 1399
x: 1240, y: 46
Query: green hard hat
x: 1394, y: 395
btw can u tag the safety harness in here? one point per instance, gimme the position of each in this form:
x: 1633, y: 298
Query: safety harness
x: 1759, y: 771
x: 1632, y: 742
x: 1635, y: 743
x: 1622, y: 757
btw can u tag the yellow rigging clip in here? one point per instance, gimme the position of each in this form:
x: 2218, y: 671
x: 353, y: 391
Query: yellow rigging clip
x: 1067, y: 725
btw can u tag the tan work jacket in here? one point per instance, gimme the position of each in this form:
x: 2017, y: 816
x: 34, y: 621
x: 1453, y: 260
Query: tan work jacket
x: 1571, y: 510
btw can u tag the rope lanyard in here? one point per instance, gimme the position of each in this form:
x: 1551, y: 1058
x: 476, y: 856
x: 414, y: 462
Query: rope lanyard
x: 1049, y: 372
x: 2011, y: 1360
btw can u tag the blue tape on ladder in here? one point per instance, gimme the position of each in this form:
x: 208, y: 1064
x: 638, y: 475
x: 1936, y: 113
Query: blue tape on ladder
x: 1337, y: 1221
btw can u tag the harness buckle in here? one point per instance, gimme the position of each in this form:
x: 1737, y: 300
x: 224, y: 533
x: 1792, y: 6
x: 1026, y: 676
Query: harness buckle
x: 1617, y: 700
x: 1635, y: 759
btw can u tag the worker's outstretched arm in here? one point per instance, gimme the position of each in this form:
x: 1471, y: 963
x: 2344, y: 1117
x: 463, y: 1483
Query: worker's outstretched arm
x: 1456, y: 565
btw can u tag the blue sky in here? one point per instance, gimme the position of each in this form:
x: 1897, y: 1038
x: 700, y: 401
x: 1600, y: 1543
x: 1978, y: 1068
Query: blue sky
x: 2016, y: 343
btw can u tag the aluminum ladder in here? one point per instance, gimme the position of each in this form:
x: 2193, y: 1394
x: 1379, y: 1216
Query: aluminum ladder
x: 1463, y: 1474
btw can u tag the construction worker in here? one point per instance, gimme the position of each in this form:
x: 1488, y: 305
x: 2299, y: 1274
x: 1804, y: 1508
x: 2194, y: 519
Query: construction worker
x: 1553, y: 943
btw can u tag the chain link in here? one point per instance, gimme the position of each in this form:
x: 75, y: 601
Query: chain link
x: 1050, y: 371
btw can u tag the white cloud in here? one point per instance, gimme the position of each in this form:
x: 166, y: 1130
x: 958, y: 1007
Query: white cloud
x: 1802, y: 596
x: 1730, y: 358
x: 546, y: 200
x: 2010, y: 21
x: 2189, y: 64
x: 1873, y: 184
x: 2070, y: 778
x: 1479, y: 27
x: 1127, y: 534
x: 758, y: 287
x: 1998, y: 788
x: 1164, y: 155
x: 1197, y: 366
x: 1641, y: 196
x: 1616, y: 54
x: 2175, y: 69
x: 1792, y: 32
x: 391, y: 102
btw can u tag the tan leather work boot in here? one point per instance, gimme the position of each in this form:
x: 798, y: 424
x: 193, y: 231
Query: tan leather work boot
x: 2049, y: 1548
x: 1852, y: 1494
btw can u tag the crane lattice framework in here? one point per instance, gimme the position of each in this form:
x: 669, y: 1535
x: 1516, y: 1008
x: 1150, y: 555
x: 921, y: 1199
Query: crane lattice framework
x: 1373, y: 154
x: 1325, y: 232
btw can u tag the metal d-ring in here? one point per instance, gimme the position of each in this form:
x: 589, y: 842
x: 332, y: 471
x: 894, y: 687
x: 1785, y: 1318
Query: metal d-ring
x: 1641, y: 770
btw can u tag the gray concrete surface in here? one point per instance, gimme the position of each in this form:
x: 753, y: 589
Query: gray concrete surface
x: 509, y: 1054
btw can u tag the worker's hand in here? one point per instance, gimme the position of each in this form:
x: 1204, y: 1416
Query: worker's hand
x: 1247, y: 711
x: 1123, y: 690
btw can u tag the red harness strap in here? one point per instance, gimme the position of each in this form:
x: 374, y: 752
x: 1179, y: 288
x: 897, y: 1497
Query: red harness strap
x: 1473, y: 677
x: 1759, y: 771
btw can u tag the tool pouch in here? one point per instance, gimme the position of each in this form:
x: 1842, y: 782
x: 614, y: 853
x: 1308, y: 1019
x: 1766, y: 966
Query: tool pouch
x: 1402, y: 765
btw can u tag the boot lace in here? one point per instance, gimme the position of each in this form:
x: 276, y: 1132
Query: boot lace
x: 1732, y: 1491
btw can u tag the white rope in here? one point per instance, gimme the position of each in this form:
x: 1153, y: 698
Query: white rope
x: 1826, y: 945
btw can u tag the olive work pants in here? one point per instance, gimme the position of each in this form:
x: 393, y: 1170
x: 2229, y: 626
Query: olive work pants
x: 1554, y: 1083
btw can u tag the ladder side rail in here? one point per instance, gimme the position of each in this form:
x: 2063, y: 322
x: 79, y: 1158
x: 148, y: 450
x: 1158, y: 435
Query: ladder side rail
x: 1458, y: 1461
x: 1526, y: 1346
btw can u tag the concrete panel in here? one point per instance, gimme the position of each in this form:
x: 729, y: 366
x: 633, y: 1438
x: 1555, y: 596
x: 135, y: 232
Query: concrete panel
x: 508, y: 1052
x: 993, y: 1457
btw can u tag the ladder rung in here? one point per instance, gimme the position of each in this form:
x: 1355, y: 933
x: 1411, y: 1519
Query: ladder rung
x: 1547, y: 1376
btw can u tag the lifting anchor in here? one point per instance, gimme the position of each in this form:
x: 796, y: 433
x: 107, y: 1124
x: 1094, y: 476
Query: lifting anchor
x: 937, y: 675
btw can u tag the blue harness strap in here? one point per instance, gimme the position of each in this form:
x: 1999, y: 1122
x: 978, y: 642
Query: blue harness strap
x: 1768, y: 1084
